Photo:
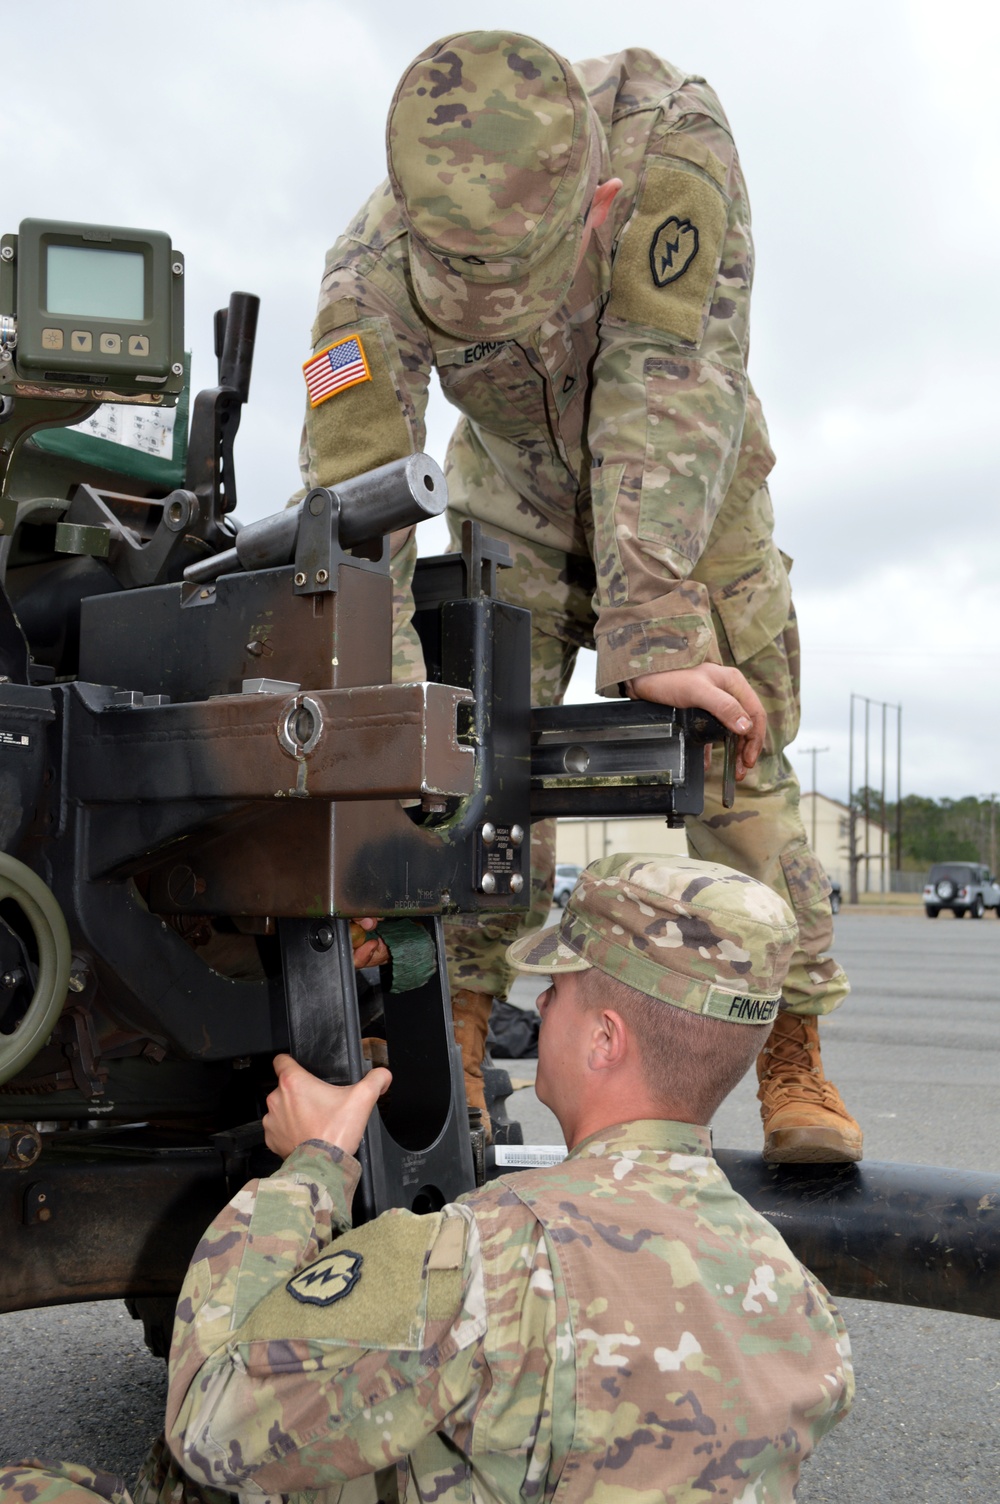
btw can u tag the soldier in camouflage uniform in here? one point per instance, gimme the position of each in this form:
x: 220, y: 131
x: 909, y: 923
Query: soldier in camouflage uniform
x: 570, y: 250
x: 622, y: 1325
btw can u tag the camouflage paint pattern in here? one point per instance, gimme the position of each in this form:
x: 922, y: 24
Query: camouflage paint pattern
x: 623, y: 1325
x: 694, y: 934
x: 605, y: 435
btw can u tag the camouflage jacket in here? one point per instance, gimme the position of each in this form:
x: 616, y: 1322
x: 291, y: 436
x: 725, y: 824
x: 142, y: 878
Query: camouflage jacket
x: 626, y: 427
x: 623, y: 1321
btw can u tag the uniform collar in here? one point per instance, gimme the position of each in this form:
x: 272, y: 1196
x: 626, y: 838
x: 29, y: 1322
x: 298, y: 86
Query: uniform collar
x: 646, y: 1136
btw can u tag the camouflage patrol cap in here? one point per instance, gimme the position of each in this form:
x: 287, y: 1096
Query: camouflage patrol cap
x: 694, y: 934
x: 494, y: 155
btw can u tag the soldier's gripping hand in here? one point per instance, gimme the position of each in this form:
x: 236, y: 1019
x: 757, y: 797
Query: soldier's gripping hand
x: 302, y: 1107
x: 369, y: 950
x: 719, y: 689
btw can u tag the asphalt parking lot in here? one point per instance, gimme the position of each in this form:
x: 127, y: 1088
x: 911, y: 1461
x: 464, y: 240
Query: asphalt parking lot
x: 916, y: 1054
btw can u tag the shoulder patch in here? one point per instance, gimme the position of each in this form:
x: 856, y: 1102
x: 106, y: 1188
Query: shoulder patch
x: 668, y: 256
x: 366, y: 426
x: 672, y: 249
x: 387, y: 1308
x: 331, y: 1278
x: 334, y: 369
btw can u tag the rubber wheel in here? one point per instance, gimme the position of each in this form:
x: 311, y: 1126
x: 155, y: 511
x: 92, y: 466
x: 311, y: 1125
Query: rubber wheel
x: 932, y: 913
x: 945, y: 889
x: 19, y: 885
x: 978, y: 908
x: 958, y: 913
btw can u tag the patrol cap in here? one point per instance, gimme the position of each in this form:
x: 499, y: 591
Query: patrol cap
x: 694, y: 934
x: 494, y: 156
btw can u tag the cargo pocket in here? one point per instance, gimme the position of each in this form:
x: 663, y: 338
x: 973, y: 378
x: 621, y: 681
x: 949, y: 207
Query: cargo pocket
x: 808, y: 892
x: 754, y: 608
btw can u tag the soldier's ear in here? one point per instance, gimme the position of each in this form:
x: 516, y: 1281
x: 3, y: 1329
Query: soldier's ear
x: 608, y: 1040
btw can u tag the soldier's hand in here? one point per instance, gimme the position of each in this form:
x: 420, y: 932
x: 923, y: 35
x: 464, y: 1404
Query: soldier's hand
x: 302, y: 1107
x: 714, y: 687
x: 369, y: 950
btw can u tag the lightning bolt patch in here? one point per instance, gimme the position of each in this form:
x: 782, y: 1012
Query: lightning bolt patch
x: 672, y: 250
x: 331, y: 1278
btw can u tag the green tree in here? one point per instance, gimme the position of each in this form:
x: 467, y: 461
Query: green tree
x: 934, y: 830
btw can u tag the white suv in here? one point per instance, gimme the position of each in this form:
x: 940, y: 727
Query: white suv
x: 962, y: 887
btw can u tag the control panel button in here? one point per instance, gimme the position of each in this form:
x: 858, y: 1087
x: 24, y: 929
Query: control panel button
x: 81, y: 339
x: 52, y: 339
x: 110, y: 344
x: 138, y: 344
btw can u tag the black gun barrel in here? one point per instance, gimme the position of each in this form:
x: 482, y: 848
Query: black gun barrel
x: 396, y: 495
x: 391, y: 497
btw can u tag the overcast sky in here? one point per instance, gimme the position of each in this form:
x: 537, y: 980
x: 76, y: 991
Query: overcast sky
x: 252, y: 131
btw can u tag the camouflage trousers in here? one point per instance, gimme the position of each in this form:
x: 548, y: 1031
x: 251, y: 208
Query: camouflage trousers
x: 762, y: 835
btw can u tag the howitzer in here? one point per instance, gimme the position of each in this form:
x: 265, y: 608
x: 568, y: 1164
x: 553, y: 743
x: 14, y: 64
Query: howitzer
x: 206, y: 771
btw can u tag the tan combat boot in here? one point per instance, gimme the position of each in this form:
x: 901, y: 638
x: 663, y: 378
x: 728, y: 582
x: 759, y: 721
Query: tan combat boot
x: 470, y: 1013
x: 805, y: 1122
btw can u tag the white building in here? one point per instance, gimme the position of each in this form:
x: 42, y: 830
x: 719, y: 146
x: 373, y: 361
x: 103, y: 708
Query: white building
x: 827, y: 824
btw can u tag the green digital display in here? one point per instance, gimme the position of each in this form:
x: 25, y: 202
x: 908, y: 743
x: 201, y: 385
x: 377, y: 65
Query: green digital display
x: 92, y: 282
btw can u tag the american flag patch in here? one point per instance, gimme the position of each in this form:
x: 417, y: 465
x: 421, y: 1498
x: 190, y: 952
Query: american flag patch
x: 335, y: 368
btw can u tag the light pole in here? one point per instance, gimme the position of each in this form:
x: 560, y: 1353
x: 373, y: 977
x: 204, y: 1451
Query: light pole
x: 814, y: 752
x: 993, y: 830
x: 883, y: 705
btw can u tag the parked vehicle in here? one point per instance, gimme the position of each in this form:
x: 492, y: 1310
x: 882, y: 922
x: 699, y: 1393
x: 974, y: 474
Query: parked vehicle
x: 962, y: 887
x: 566, y: 879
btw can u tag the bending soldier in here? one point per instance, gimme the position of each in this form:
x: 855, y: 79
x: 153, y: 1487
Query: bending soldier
x: 570, y: 250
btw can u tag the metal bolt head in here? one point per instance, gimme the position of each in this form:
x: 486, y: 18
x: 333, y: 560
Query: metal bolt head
x: 489, y: 835
x: 7, y: 254
x: 177, y: 369
x: 178, y: 268
x: 516, y: 882
x: 322, y: 576
x: 489, y: 883
x: 516, y: 835
x: 322, y: 935
x: 300, y: 578
x: 316, y: 505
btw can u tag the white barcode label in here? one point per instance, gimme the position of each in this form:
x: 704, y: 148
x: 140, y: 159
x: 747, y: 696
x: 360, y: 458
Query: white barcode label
x: 528, y: 1156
